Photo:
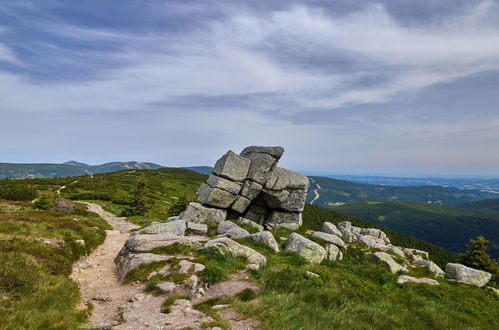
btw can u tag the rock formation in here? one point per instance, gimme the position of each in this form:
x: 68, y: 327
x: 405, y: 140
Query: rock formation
x: 252, y: 186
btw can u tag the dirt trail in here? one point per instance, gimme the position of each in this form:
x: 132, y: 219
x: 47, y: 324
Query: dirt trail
x: 96, y: 275
x: 316, y: 192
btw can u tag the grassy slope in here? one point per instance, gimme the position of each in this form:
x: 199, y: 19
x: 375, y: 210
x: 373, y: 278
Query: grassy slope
x: 449, y: 227
x: 334, y: 191
x: 35, y: 291
x: 483, y: 205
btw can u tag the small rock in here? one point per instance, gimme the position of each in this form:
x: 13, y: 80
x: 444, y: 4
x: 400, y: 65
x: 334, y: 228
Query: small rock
x: 191, y: 281
x: 329, y: 238
x: 225, y: 245
x: 410, y: 279
x: 347, y: 235
x: 333, y: 252
x: 345, y: 225
x: 80, y: 241
x: 309, y: 273
x: 165, y: 287
x: 244, y: 221
x: 197, y: 228
x: 218, y: 307
x: 101, y: 297
x: 266, y: 237
x: 330, y: 228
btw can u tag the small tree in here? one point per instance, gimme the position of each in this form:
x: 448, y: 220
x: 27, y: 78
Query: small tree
x: 477, y: 257
x: 138, y: 205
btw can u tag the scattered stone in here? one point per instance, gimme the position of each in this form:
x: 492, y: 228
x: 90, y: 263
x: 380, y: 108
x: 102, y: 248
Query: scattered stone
x: 309, y: 250
x: 101, y: 324
x: 388, y: 262
x: 396, y: 251
x: 333, y: 252
x: 266, y: 238
x: 145, y: 243
x: 311, y: 274
x: 165, y: 287
x: 218, y: 307
x: 347, y: 235
x: 198, y: 213
x: 432, y: 267
x: 80, y: 241
x: 329, y: 238
x: 132, y: 261
x: 101, y: 297
x: 176, y: 227
x: 329, y: 228
x: 191, y: 281
x: 197, y: 228
x: 226, y: 246
x: 410, y: 279
x: 345, y: 225
x: 233, y: 230
x: 174, y: 218
x: 371, y: 241
x: 468, y: 275
x: 244, y: 221
x: 496, y: 291
x: 187, y: 266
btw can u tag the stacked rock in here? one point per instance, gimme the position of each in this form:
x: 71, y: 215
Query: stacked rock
x: 252, y: 186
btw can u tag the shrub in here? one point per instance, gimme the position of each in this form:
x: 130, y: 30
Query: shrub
x: 477, y: 257
x: 44, y: 202
x: 212, y: 273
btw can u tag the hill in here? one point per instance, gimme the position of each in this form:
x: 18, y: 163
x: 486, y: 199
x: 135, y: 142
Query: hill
x: 483, y: 205
x: 333, y: 192
x: 450, y: 227
x: 206, y: 170
x: 67, y: 169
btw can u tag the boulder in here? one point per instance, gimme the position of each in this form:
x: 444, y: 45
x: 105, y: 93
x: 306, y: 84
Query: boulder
x: 233, y: 230
x: 281, y: 179
x: 309, y: 250
x: 226, y: 246
x: 329, y: 228
x: 165, y: 287
x: 186, y: 266
x: 145, y: 243
x: 244, y: 221
x: 266, y: 238
x: 132, y: 261
x: 240, y: 204
x: 275, y: 152
x: 232, y: 166
x: 196, y: 212
x: 386, y: 260
x: 251, y: 189
x: 284, y: 219
x: 215, y: 181
x: 466, y: 274
x: 347, y: 235
x: 345, y: 225
x: 333, y: 252
x: 371, y: 241
x: 409, y: 279
x: 329, y: 238
x: 295, y: 201
x: 176, y: 227
x: 261, y: 166
x: 432, y: 267
x: 416, y: 253
x: 197, y: 228
x: 396, y: 251
x: 215, y: 197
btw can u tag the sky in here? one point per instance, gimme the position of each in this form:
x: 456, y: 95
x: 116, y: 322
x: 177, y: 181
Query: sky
x: 396, y: 87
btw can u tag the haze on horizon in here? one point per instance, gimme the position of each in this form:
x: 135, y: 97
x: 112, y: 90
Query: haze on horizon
x: 391, y: 87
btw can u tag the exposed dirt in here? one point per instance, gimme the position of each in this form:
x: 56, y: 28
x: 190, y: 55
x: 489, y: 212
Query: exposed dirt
x: 316, y: 192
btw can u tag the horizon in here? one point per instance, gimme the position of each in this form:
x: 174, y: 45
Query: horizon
x: 388, y: 88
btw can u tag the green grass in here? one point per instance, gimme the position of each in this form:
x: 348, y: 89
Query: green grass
x: 142, y: 272
x: 217, y: 266
x: 35, y: 292
x: 165, y: 307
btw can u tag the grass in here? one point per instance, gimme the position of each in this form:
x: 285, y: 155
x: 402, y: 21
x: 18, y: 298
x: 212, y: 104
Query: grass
x: 165, y: 307
x: 217, y: 266
x: 142, y: 272
x: 35, y: 291
x: 175, y: 248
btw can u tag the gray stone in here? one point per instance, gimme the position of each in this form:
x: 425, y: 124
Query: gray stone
x: 275, y: 198
x: 414, y: 252
x: 266, y: 238
x: 145, y: 243
x: 329, y: 228
x: 215, y: 181
x: 251, y: 189
x: 232, y: 167
x: 165, y: 287
x: 197, y: 228
x: 176, y: 227
x: 275, y: 152
x: 279, y: 218
x: 226, y: 246
x: 432, y: 267
x: 409, y: 279
x: 80, y: 241
x: 186, y: 266
x: 174, y: 218
x: 330, y: 238
x: 387, y: 260
x: 233, y: 230
x: 468, y: 275
x: 345, y: 225
x: 198, y: 213
x: 307, y: 249
x: 261, y: 166
x: 295, y: 201
x: 374, y: 232
x: 371, y: 241
x: 207, y: 195
x: 282, y: 178
x: 347, y: 235
x: 244, y: 221
x: 132, y: 261
x: 101, y: 324
x: 333, y: 252
x: 240, y: 204
x: 396, y: 251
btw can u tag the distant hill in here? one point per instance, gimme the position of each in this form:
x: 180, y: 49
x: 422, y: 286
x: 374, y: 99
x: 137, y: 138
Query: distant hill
x: 335, y: 192
x: 206, y: 170
x: 483, y: 205
x: 71, y: 168
x: 446, y: 226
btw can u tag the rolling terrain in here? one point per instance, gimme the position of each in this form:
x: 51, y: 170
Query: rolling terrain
x: 335, y: 192
x: 449, y: 227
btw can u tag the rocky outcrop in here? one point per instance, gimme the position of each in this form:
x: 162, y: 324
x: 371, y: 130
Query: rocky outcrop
x: 307, y: 249
x: 251, y: 185
x: 176, y: 227
x: 462, y: 273
x: 226, y: 246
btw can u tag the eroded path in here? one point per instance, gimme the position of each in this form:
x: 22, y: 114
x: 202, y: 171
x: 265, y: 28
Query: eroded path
x: 96, y: 274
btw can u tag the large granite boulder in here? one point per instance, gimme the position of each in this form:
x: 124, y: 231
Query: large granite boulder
x: 251, y: 185
x: 330, y: 238
x: 329, y: 228
x: 386, y: 260
x: 176, y: 227
x: 196, y: 212
x: 266, y: 238
x: 466, y: 274
x: 432, y: 267
x: 226, y: 246
x: 307, y: 249
x: 232, y: 230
